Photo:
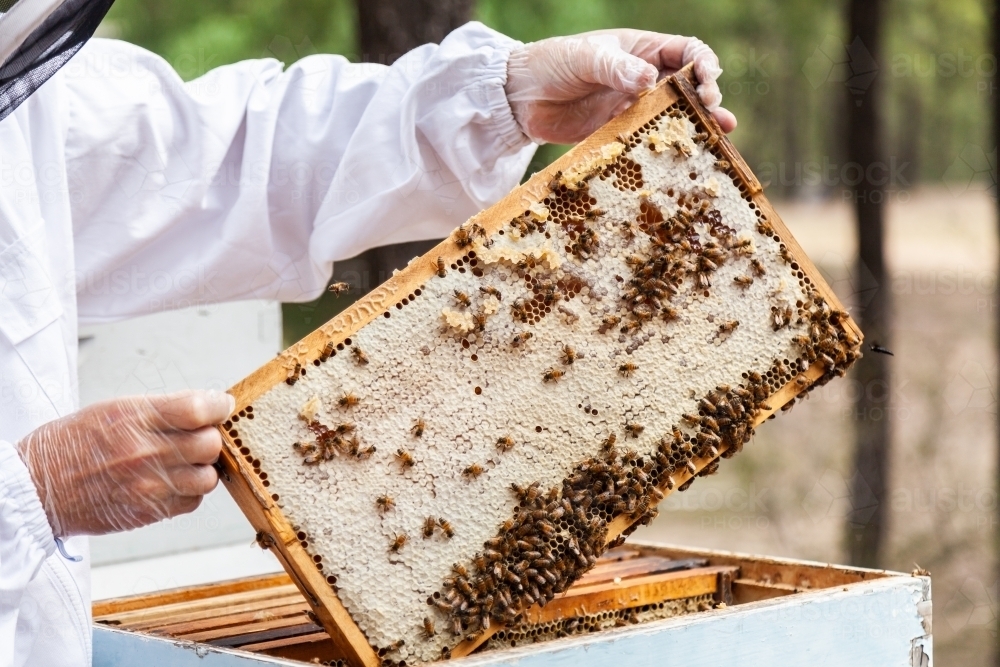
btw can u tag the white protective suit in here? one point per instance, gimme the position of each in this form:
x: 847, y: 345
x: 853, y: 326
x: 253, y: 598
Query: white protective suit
x: 125, y: 191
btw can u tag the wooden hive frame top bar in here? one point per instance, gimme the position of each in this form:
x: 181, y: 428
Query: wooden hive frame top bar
x: 258, y: 471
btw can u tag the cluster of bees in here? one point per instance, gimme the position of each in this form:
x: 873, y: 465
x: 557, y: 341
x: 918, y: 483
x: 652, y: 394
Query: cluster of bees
x: 329, y: 443
x: 828, y: 342
x: 555, y: 536
x: 677, y: 251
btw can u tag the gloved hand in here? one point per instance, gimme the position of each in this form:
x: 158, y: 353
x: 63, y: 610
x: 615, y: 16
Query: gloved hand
x: 563, y: 88
x: 126, y: 463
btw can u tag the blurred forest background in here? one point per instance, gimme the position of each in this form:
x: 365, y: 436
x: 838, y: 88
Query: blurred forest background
x: 790, y: 71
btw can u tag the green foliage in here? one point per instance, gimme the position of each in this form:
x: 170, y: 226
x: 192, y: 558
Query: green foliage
x: 778, y: 78
x: 198, y: 36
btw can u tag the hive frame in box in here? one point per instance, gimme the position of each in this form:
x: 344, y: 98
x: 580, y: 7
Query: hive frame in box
x: 249, y: 488
x: 783, y: 608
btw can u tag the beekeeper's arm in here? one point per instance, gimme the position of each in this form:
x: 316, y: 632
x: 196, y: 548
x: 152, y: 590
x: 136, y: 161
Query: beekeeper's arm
x: 250, y: 181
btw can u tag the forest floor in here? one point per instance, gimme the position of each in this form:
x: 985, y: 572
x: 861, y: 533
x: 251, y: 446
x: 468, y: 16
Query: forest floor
x: 786, y: 494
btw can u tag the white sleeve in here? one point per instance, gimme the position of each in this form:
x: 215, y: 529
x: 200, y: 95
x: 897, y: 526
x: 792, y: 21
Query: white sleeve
x: 25, y: 542
x: 250, y: 181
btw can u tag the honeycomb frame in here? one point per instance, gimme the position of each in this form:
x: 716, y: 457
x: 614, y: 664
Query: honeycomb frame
x: 603, y: 156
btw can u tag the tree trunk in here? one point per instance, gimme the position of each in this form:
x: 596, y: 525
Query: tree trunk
x: 867, y: 522
x: 386, y: 30
x: 995, y: 141
x: 389, y: 28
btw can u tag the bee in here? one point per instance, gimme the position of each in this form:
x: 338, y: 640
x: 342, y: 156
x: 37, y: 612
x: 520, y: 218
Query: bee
x: 722, y: 165
x: 764, y: 228
x: 552, y: 295
x: 556, y: 181
x: 700, y: 137
x: 344, y: 428
x: 758, y: 267
x: 593, y: 214
x: 385, y: 503
x: 429, y: 525
x: 743, y: 281
x: 446, y: 528
x: 505, y: 443
x: 631, y: 326
x: 634, y: 430
x: 634, y: 261
x: 521, y: 338
x: 418, y: 428
x: 404, y: 459
x: 609, y: 442
x: 518, y: 310
x: 552, y: 375
x: 609, y: 321
x: 728, y: 327
x: 395, y: 646
x: 348, y: 400
x: 353, y: 446
x: 801, y: 341
x: 780, y: 317
x: 629, y: 230
x: 365, y: 454
x: 786, y: 255
x: 473, y: 471
x: 627, y: 369
x: 479, y: 322
x: 462, y: 237
x: 428, y: 628
x: 682, y: 150
x: 327, y: 352
x: 491, y: 291
x: 462, y: 299
x: 568, y: 355
x: 293, y: 375
x: 359, y: 356
x: 339, y: 288
x: 398, y: 542
x: 439, y: 267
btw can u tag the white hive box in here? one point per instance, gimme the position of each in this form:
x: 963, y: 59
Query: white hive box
x: 779, y: 612
x: 464, y: 442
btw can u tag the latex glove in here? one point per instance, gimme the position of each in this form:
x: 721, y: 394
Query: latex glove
x: 126, y: 463
x: 563, y: 88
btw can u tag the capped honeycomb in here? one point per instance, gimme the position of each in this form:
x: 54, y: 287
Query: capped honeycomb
x: 466, y: 441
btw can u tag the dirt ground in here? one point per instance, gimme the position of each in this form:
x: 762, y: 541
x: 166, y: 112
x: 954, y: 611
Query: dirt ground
x: 787, y: 493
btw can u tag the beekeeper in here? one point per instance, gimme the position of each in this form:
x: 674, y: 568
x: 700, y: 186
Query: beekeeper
x: 125, y: 191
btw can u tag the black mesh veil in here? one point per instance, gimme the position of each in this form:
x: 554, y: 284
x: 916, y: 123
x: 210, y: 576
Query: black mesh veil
x: 46, y: 48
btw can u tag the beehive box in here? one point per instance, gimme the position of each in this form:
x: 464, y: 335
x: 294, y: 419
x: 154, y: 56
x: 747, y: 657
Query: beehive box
x: 753, y: 610
x: 465, y: 441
